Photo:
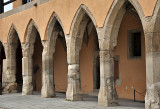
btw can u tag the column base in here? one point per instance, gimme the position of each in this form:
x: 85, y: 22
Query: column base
x: 47, y: 93
x: 74, y: 87
x: 152, y: 99
x: 48, y: 90
x: 73, y: 95
x: 9, y: 88
x: 103, y: 99
x: 27, y: 90
x: 27, y: 85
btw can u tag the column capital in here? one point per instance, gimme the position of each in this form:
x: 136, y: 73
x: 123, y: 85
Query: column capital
x: 27, y: 49
x: 47, y: 49
x: 105, y: 56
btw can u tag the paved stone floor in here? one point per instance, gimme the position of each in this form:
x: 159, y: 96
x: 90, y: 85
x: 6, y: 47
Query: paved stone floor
x: 17, y: 101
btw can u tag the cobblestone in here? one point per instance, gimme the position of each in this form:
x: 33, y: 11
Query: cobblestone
x: 17, y: 101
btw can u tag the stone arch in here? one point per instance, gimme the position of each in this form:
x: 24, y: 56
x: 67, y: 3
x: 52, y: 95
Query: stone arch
x: 83, y: 9
x: 54, y: 31
x: 113, y: 21
x: 79, y: 24
x: 32, y: 57
x: 153, y: 27
x: 14, y: 58
x: 31, y: 30
x: 108, y: 42
x: 13, y: 34
x: 75, y: 31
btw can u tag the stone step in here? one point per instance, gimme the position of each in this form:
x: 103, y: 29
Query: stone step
x: 94, y: 93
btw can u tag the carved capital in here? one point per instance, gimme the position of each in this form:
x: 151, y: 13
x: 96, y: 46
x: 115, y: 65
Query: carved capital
x: 47, y: 49
x: 106, y: 56
x: 27, y: 49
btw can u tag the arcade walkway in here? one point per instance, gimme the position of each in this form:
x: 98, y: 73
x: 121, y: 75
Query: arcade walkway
x: 17, y: 101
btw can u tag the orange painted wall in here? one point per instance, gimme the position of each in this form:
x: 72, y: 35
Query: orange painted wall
x: 60, y: 68
x: 37, y: 60
x: 17, y: 3
x: 41, y: 16
x: 63, y: 8
x: 132, y: 70
x: 86, y: 65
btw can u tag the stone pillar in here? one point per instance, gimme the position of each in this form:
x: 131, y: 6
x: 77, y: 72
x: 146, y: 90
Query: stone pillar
x: 74, y: 92
x: 12, y: 61
x: 10, y: 74
x: 152, y: 98
x: 27, y: 66
x: 48, y: 89
x: 74, y: 86
x: 107, y: 94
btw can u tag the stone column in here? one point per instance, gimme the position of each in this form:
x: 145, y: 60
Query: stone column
x: 27, y: 66
x: 74, y: 92
x: 48, y: 89
x: 74, y: 86
x: 10, y: 74
x: 152, y: 98
x: 107, y: 94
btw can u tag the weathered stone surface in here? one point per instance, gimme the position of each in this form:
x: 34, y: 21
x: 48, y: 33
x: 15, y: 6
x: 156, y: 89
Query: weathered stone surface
x: 74, y: 87
x: 152, y: 98
x: 10, y: 62
x: 27, y: 66
x: 107, y: 94
x: 27, y: 69
x: 48, y: 89
x: 27, y: 85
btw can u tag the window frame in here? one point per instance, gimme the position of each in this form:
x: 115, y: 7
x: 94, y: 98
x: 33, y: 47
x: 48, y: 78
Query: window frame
x: 129, y: 35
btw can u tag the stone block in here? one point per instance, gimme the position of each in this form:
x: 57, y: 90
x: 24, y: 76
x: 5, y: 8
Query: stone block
x: 27, y: 66
x: 48, y: 89
x: 27, y: 85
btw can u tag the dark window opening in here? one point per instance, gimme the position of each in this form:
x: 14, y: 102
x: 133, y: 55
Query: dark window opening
x: 26, y: 1
x: 135, y: 45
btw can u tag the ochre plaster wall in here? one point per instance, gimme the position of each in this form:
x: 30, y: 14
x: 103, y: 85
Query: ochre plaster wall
x: 63, y: 8
x: 41, y: 15
x: 86, y: 65
x: 148, y: 6
x: 133, y: 72
x: 60, y: 67
x: 17, y: 3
